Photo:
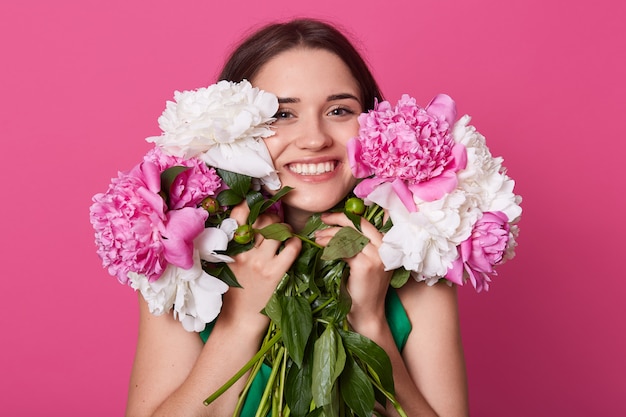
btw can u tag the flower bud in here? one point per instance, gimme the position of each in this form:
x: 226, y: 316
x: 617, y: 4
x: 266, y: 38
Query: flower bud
x: 243, y: 234
x: 355, y: 205
x: 211, y: 205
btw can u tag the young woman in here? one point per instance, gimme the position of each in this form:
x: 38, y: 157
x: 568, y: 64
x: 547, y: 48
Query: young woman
x: 322, y: 85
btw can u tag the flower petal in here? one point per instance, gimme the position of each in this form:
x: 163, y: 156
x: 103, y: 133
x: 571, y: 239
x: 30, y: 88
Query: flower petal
x: 436, y: 187
x: 443, y: 105
x: 209, y: 241
x: 405, y: 194
x: 248, y: 157
x: 181, y: 229
x: 359, y: 170
x: 367, y: 186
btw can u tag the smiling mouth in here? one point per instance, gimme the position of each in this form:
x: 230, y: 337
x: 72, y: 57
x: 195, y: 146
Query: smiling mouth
x: 312, y: 169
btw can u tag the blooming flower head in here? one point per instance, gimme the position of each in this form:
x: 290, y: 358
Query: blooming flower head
x: 127, y: 223
x: 136, y: 232
x: 485, y: 248
x: 452, y: 205
x: 223, y: 125
x: 410, y: 147
x: 192, y: 185
x: 484, y: 178
x: 196, y: 296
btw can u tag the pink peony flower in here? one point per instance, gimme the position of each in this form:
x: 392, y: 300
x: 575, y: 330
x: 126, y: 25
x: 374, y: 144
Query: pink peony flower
x: 485, y: 248
x: 410, y: 147
x: 194, y: 185
x: 191, y: 186
x: 135, y: 231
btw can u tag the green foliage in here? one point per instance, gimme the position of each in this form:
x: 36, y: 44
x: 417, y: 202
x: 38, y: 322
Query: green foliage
x: 400, y: 277
x: 296, y: 322
x: 357, y: 390
x: 319, y: 366
x: 345, y: 244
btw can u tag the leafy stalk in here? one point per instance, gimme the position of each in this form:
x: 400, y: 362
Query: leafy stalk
x: 390, y: 397
x: 318, y: 365
x: 265, y: 347
x: 263, y: 406
x: 242, y: 397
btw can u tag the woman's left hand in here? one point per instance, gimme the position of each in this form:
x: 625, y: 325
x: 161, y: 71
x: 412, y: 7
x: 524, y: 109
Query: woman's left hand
x: 368, y: 280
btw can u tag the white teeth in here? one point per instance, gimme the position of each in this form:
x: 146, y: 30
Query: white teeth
x: 312, y: 169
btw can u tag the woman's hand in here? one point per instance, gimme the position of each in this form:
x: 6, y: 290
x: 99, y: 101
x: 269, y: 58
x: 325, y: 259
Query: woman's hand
x: 368, y: 281
x: 258, y: 270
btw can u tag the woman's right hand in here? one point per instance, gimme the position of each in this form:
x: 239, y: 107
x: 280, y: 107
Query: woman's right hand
x: 258, y: 270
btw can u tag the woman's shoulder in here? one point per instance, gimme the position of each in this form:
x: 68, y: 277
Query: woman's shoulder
x: 417, y: 297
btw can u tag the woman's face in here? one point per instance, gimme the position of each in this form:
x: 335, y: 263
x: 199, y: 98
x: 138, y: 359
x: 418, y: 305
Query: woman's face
x: 318, y: 109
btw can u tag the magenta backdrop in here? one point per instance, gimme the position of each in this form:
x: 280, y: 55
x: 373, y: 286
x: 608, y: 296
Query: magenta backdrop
x: 83, y: 82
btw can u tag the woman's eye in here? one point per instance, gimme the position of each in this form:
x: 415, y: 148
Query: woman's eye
x: 283, y: 114
x: 340, y: 111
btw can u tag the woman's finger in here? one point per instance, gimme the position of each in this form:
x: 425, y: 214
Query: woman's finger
x: 340, y: 219
x: 240, y: 213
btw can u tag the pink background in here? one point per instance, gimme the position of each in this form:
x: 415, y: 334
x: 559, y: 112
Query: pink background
x: 83, y: 82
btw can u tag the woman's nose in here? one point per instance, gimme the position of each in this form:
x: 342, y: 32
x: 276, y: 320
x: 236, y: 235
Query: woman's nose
x: 313, y: 135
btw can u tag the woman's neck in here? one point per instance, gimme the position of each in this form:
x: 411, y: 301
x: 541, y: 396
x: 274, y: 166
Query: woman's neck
x: 296, y: 218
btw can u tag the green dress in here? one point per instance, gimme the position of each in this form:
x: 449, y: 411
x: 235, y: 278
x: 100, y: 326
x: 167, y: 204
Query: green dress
x: 398, y: 323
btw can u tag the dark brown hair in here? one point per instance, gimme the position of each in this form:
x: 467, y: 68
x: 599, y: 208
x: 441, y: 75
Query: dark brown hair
x: 248, y: 58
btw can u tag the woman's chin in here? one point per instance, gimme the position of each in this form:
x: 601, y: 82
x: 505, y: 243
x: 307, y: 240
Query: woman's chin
x: 311, y: 202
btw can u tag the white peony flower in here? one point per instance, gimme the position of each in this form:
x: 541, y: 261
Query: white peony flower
x: 214, y: 239
x: 195, y: 296
x: 484, y: 179
x: 424, y: 241
x: 223, y: 125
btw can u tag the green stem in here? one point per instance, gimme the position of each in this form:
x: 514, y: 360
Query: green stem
x: 281, y: 387
x: 264, y: 348
x: 244, y: 393
x: 270, y: 385
x: 309, y: 241
x: 390, y: 397
x: 322, y: 306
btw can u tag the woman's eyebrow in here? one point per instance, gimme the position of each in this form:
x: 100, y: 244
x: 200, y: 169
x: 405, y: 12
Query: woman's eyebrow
x: 332, y: 97
x: 342, y: 96
x: 283, y: 100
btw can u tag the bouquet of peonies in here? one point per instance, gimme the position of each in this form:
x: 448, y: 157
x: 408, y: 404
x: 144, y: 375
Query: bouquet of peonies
x: 452, y: 205
x: 161, y: 224
x: 164, y: 229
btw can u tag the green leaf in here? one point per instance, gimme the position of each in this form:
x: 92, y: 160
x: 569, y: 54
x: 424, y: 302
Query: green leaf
x: 332, y: 409
x: 328, y: 363
x: 346, y: 243
x: 226, y: 275
x: 252, y: 197
x: 273, y: 199
x: 238, y: 183
x: 298, y: 388
x: 355, y: 219
x: 255, y: 202
x: 235, y: 248
x: 276, y: 231
x: 272, y: 309
x: 168, y: 177
x: 372, y: 355
x: 296, y: 323
x: 314, y: 223
x: 400, y: 277
x: 340, y: 363
x: 388, y: 224
x: 229, y: 198
x: 356, y: 389
x: 344, y: 301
